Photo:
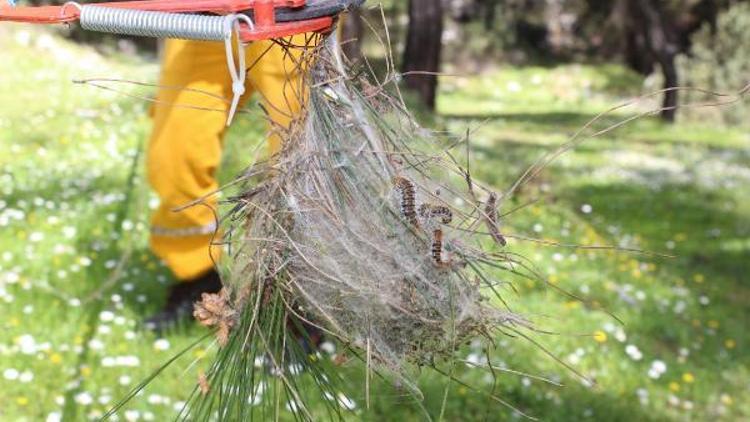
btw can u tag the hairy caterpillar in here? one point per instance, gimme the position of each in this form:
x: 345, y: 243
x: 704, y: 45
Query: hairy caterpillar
x: 405, y: 188
x: 490, y: 212
x: 442, y: 215
x: 437, y: 248
x: 429, y: 211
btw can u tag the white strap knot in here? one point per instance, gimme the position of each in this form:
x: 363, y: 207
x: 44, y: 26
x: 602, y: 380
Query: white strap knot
x: 236, y: 71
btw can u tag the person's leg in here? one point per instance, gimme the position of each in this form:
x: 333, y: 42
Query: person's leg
x: 184, y: 152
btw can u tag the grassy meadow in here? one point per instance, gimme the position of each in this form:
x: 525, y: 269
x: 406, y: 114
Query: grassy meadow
x: 77, y: 278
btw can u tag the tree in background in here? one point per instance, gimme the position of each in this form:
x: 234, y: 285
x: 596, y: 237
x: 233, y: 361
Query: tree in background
x: 645, y: 35
x: 422, y: 52
x: 650, y: 36
x: 655, y: 33
x: 719, y: 60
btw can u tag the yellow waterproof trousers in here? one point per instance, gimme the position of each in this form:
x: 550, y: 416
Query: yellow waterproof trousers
x: 185, y: 148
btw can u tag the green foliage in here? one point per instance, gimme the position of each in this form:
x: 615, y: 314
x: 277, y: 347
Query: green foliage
x: 720, y: 61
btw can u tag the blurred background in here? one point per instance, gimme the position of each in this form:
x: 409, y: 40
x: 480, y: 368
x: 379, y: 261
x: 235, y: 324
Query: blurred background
x: 522, y: 76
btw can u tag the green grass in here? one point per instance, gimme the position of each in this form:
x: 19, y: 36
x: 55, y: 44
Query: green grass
x: 69, y: 337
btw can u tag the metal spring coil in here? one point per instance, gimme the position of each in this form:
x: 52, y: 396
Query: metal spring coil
x: 154, y: 24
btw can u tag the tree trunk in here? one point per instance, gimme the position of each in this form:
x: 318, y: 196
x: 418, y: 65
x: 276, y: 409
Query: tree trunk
x: 351, y: 35
x: 663, y: 44
x: 651, y: 37
x: 423, y: 47
x: 671, y: 82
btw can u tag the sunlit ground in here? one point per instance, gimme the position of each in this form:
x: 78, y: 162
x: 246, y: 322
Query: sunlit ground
x: 76, y: 277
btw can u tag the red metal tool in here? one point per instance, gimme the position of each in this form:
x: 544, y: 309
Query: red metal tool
x: 270, y: 18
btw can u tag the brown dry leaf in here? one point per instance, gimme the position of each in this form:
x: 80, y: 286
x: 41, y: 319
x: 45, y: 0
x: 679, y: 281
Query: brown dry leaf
x: 203, y: 383
x: 214, y: 310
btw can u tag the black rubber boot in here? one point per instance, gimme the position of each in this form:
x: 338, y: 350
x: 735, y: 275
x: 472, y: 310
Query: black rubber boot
x: 182, y: 296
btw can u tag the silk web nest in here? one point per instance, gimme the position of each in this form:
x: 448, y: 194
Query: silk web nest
x: 363, y: 229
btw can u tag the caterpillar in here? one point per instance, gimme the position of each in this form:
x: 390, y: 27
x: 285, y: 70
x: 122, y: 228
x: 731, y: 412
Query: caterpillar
x: 437, y: 248
x: 428, y: 211
x: 443, y: 215
x: 405, y: 188
x: 490, y: 212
